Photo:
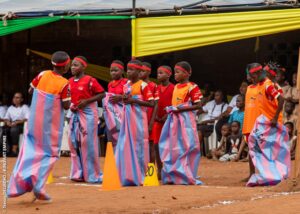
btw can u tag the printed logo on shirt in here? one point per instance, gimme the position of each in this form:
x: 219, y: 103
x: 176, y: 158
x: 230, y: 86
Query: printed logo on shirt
x: 80, y: 88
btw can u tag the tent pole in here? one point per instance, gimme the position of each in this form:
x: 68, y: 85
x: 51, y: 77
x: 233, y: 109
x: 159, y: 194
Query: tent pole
x: 28, y: 61
x: 133, y: 7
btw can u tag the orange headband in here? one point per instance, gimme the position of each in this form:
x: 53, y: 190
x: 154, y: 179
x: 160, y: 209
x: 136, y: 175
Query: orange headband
x: 182, y: 69
x: 167, y: 71
x: 135, y: 66
x: 117, y: 65
x: 255, y: 69
x: 61, y: 64
x: 81, y: 61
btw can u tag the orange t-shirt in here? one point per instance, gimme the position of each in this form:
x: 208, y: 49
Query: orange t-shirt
x: 267, y: 100
x: 260, y: 99
x: 141, y: 88
x: 52, y: 83
x: 186, y: 92
x: 251, y: 108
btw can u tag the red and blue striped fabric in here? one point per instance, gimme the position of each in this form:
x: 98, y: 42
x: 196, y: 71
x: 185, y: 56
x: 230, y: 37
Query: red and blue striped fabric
x: 179, y: 148
x: 40, y: 148
x: 84, y: 145
x: 132, y: 151
x: 269, y: 151
x: 112, y: 113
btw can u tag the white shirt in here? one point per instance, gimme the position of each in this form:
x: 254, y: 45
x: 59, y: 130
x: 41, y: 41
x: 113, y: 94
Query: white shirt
x: 213, y: 110
x: 3, y: 110
x: 232, y: 103
x: 17, y: 113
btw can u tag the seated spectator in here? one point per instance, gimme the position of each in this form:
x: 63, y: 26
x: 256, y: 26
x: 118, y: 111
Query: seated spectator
x: 15, y: 118
x: 233, y: 142
x: 293, y: 94
x: 220, y: 151
x: 238, y: 114
x: 288, y: 114
x: 293, y: 138
x: 213, y: 110
x: 231, y: 108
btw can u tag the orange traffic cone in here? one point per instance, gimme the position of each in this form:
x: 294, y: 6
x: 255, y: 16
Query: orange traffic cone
x: 111, y: 179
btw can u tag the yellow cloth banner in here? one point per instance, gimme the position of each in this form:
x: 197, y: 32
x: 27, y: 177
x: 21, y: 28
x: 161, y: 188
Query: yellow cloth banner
x: 158, y: 35
x: 97, y: 71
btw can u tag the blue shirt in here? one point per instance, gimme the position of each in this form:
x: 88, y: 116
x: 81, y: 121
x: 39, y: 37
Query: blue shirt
x: 237, y: 116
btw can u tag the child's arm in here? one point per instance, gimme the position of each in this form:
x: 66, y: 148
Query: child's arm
x: 279, y: 109
x: 83, y: 103
x: 196, y: 106
x: 129, y: 100
x: 153, y: 116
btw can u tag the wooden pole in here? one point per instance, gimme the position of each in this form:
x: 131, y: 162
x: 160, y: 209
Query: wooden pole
x: 295, y: 170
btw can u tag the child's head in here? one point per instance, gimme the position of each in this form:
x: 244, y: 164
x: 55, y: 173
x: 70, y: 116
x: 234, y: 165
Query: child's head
x: 183, y: 71
x: 289, y: 107
x: 163, y: 73
x: 60, y: 61
x: 243, y: 87
x: 290, y: 127
x: 116, y: 69
x: 235, y: 127
x: 280, y: 76
x: 225, y: 130
x: 79, y: 63
x: 134, y: 68
x: 294, y: 79
x: 256, y: 72
x: 271, y: 70
x: 219, y: 96
x: 146, y: 71
x: 240, y: 101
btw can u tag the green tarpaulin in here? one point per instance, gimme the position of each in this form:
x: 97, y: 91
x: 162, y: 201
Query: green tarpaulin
x: 16, y: 25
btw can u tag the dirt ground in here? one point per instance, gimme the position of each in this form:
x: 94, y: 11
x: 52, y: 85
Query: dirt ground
x: 222, y: 192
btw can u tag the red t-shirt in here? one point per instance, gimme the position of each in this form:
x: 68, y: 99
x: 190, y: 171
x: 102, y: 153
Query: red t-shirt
x: 152, y: 87
x: 116, y: 86
x: 84, y: 88
x: 164, y: 96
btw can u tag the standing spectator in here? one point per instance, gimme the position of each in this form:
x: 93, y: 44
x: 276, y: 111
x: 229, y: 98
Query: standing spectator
x: 292, y: 94
x: 292, y: 138
x: 15, y: 117
x: 281, y: 80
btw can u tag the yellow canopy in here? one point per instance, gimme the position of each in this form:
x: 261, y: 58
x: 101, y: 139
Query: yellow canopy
x: 158, y: 35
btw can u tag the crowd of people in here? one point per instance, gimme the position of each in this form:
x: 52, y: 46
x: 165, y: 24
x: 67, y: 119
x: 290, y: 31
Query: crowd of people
x: 152, y: 121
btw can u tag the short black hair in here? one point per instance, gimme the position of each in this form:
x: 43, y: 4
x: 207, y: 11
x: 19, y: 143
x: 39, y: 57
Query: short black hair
x: 167, y: 67
x: 242, y: 96
x: 136, y: 62
x: 59, y: 57
x: 147, y: 64
x: 235, y: 121
x: 290, y: 123
x: 253, y: 65
x: 118, y: 62
x: 82, y: 57
x: 185, y: 65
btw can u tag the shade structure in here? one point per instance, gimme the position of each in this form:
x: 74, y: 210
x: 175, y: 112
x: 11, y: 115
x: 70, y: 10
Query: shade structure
x: 156, y: 35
